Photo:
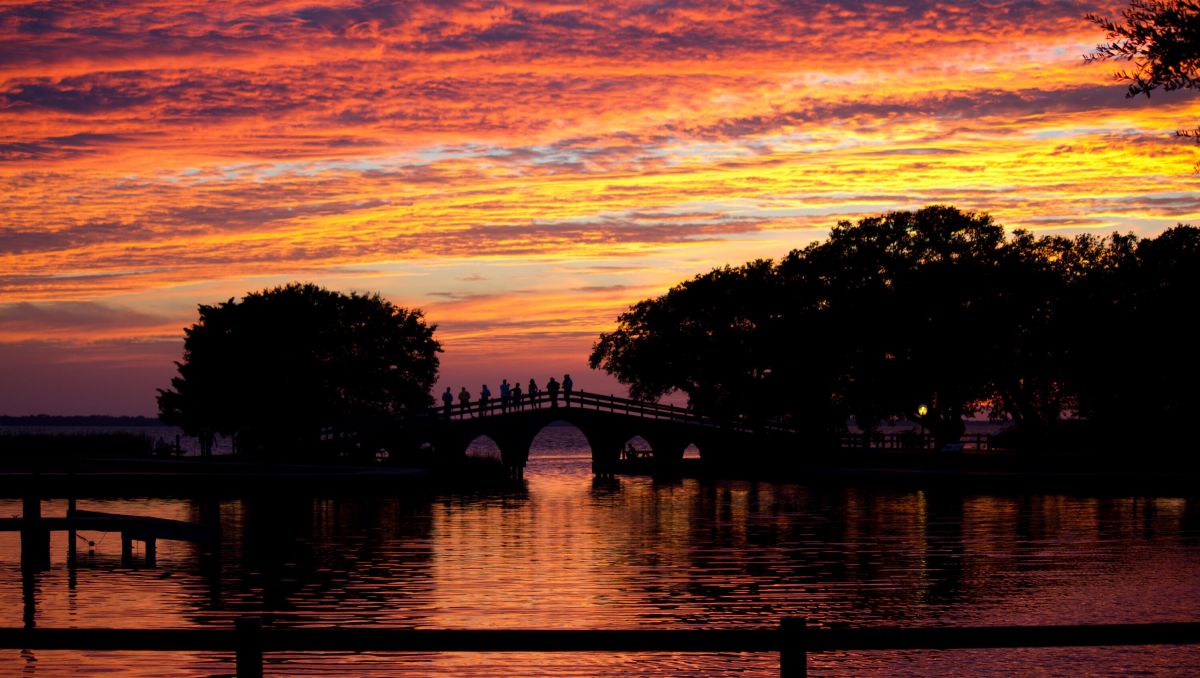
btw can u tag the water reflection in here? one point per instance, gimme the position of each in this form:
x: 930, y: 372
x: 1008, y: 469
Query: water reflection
x: 570, y: 552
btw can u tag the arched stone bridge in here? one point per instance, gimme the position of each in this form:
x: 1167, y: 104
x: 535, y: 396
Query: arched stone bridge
x: 608, y: 423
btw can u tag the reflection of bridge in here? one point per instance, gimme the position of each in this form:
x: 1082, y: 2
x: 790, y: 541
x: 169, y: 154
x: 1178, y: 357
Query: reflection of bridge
x: 608, y: 423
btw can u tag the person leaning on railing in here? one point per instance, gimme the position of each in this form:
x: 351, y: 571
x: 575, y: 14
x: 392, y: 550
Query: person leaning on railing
x: 485, y: 394
x: 505, y: 394
x: 515, y: 396
x: 533, y: 394
x: 464, y: 401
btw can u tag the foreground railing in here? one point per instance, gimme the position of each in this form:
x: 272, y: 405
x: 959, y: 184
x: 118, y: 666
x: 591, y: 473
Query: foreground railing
x: 911, y: 440
x: 791, y: 639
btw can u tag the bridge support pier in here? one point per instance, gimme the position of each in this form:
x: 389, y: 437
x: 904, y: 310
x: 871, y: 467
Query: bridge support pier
x: 668, y: 452
x: 604, y: 461
x: 514, y: 439
x: 606, y: 447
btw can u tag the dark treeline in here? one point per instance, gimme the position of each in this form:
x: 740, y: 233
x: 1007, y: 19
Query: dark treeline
x: 44, y: 447
x: 1082, y: 339
x: 88, y: 420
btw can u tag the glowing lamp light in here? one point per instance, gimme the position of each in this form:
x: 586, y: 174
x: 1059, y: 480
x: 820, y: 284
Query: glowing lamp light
x: 921, y: 412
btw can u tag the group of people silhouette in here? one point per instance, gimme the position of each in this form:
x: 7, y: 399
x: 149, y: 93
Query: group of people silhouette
x: 511, y: 396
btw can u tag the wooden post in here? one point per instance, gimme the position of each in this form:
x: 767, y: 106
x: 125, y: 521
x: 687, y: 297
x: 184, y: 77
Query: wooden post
x: 151, y: 551
x: 29, y: 598
x: 35, y: 539
x: 71, y: 536
x: 126, y: 549
x: 249, y: 647
x: 793, y: 655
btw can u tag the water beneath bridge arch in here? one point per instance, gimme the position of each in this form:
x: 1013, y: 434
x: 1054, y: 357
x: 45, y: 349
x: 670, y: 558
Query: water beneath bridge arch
x: 570, y: 552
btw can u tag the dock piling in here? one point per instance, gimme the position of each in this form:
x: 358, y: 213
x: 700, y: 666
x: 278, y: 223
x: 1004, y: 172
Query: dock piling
x: 126, y: 549
x: 793, y: 656
x: 35, y: 538
x: 249, y: 650
x: 72, y: 535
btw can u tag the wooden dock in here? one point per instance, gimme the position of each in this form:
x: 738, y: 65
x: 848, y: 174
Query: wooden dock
x: 35, y: 532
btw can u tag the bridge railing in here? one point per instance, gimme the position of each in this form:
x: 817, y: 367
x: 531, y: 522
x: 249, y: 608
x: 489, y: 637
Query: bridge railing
x: 249, y: 641
x: 601, y: 403
x: 576, y: 399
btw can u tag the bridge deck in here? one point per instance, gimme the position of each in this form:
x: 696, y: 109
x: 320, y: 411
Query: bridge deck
x: 600, y: 403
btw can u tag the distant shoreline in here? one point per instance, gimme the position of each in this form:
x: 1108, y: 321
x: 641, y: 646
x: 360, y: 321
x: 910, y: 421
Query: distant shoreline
x: 1002, y: 473
x: 78, y: 420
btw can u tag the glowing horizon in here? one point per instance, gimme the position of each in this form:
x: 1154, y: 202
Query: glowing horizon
x: 521, y: 171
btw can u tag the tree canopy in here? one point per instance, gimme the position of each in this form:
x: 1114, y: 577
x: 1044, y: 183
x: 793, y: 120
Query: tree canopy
x: 936, y: 308
x: 1161, y: 39
x: 280, y: 365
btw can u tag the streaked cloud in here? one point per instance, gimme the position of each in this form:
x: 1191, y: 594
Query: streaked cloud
x: 565, y: 158
x: 80, y: 321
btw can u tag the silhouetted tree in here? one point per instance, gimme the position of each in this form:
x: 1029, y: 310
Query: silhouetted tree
x: 914, y: 295
x: 886, y: 315
x: 1027, y: 370
x: 937, y: 308
x: 1135, y: 366
x: 1161, y: 38
x: 281, y: 364
x: 709, y: 337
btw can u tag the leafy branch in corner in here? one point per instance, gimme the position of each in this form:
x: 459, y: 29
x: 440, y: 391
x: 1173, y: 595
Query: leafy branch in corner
x: 1161, y: 39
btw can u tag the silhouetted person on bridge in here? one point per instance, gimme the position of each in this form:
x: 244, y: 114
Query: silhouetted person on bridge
x: 484, y: 396
x: 552, y: 389
x: 207, y: 438
x: 464, y: 399
x: 533, y: 394
x: 515, y: 395
x: 505, y: 392
x: 567, y: 386
x: 447, y: 401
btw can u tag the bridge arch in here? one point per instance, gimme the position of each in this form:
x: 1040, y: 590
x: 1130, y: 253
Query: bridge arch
x: 636, y: 445
x: 484, y: 446
x: 558, y: 433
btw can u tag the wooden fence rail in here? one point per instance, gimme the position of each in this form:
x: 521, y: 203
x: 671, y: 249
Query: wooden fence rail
x: 791, y: 639
x: 910, y: 440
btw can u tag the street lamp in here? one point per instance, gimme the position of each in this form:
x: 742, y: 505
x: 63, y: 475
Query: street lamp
x: 921, y: 412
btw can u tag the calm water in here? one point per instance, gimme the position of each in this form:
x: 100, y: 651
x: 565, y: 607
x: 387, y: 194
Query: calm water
x: 567, y: 553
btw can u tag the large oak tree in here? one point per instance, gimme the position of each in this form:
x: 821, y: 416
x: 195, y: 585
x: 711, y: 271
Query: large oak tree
x: 280, y: 366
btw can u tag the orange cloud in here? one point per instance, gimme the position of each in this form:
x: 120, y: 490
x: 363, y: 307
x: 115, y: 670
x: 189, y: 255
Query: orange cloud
x: 152, y: 153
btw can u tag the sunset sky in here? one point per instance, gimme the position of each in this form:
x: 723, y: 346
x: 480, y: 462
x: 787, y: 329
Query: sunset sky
x: 520, y: 171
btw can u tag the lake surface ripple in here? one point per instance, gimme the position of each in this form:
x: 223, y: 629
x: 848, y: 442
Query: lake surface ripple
x: 571, y: 553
